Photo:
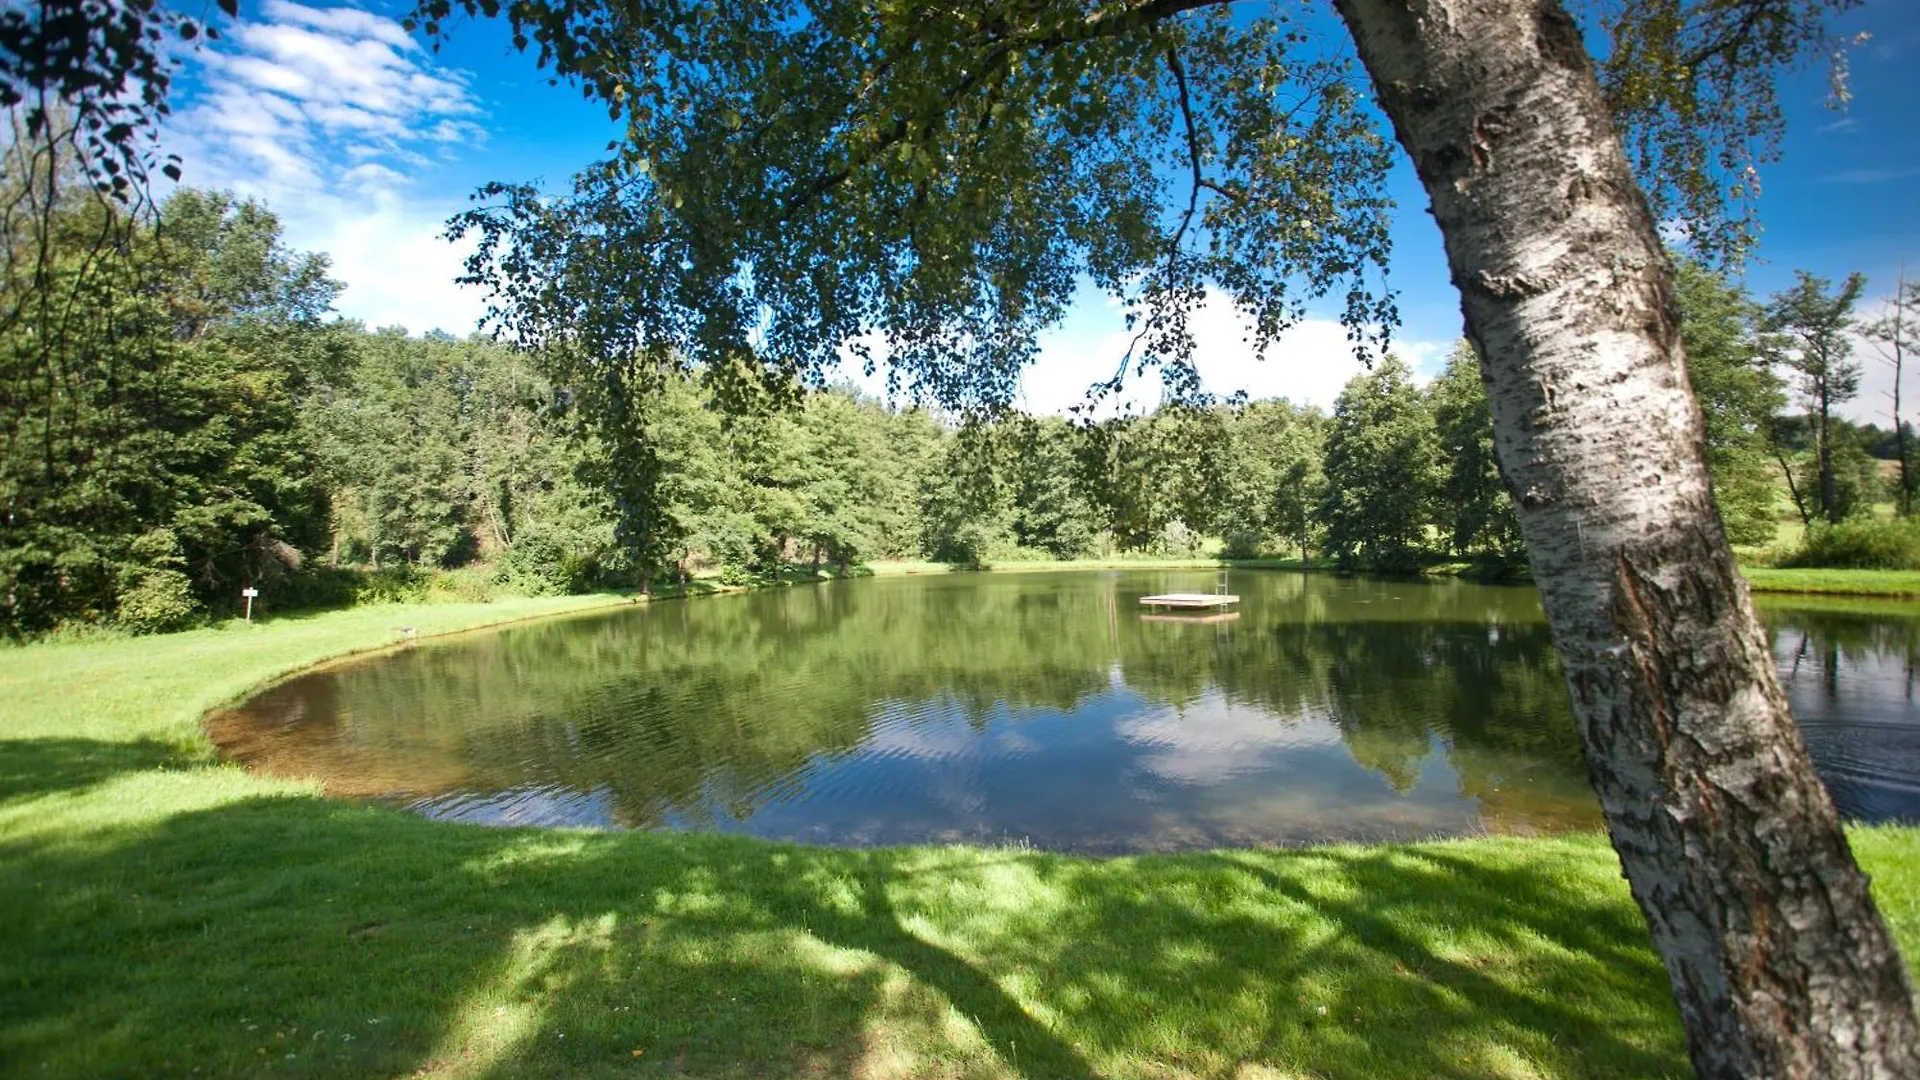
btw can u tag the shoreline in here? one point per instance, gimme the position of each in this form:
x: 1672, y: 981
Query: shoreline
x: 162, y: 912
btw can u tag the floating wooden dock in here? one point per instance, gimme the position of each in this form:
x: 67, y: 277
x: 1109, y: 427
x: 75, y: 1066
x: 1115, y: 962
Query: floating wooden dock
x: 1219, y: 600
x: 1189, y: 601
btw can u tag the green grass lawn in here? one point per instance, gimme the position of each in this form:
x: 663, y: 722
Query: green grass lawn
x: 1892, y: 583
x: 1898, y: 584
x: 889, y: 567
x: 164, y: 915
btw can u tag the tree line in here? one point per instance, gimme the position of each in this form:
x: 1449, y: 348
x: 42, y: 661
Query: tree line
x: 194, y: 420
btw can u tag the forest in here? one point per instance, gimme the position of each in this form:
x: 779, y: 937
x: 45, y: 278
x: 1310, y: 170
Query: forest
x: 195, y: 420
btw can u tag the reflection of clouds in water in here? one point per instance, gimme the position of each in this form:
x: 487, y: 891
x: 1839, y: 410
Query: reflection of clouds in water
x: 919, y: 731
x: 936, y: 731
x: 1014, y: 744
x: 1202, y: 742
x: 543, y: 805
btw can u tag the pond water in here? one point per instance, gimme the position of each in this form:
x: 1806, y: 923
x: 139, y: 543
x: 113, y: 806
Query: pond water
x: 1036, y: 708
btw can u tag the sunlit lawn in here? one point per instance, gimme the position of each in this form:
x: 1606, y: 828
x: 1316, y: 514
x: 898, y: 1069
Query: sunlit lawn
x: 1891, y: 583
x: 160, y: 914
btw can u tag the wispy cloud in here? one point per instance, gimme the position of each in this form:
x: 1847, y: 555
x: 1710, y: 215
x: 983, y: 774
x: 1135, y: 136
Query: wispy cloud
x: 333, y: 117
x: 1844, y: 124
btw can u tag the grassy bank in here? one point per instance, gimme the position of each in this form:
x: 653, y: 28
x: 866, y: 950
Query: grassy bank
x: 1889, y: 583
x: 163, y: 915
x: 892, y: 567
x: 115, y: 688
x: 1894, y: 584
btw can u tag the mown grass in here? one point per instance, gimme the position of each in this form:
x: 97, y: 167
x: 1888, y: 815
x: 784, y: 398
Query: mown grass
x: 110, y: 687
x: 1889, y: 583
x: 1896, y: 584
x: 890, y: 567
x: 164, y: 915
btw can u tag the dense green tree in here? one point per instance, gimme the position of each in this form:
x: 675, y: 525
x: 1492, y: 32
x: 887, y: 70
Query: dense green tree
x: 1739, y: 394
x: 409, y: 466
x: 1382, y: 471
x: 1194, y: 464
x: 1116, y: 470
x: 1300, y: 482
x: 967, y: 509
x: 1052, y: 514
x: 163, y: 404
x: 846, y: 481
x: 1475, y: 510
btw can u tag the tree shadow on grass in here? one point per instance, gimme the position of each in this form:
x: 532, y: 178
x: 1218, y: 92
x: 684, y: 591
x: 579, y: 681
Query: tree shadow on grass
x: 34, y: 767
x: 315, y: 938
x: 1564, y: 977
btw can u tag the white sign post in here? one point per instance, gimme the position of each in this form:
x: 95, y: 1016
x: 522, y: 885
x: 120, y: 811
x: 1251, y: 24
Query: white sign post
x: 249, y: 594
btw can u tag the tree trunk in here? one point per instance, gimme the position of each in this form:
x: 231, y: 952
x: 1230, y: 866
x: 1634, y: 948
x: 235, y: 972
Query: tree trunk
x: 1793, y: 489
x: 1899, y: 362
x: 1824, y: 433
x: 1779, y: 961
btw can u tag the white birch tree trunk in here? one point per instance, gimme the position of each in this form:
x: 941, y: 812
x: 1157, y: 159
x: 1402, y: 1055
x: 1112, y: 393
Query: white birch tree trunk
x: 1779, y: 961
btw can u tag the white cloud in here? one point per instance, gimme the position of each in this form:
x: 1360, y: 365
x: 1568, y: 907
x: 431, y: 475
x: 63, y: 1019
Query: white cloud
x: 346, y: 22
x: 399, y: 271
x: 322, y: 113
x: 1309, y: 364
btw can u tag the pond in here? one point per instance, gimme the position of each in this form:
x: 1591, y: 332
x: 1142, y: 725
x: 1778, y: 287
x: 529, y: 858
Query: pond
x: 1038, y: 709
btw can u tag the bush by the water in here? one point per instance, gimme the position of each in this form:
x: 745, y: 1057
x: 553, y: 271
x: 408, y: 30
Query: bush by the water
x: 1859, y: 545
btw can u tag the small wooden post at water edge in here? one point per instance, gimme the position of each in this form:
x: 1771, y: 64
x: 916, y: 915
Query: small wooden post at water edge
x: 249, y: 594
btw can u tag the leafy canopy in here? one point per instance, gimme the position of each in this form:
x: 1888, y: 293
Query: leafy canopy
x: 926, y: 184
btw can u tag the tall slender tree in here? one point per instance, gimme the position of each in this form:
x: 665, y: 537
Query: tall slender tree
x: 1894, y: 334
x: 1810, y: 330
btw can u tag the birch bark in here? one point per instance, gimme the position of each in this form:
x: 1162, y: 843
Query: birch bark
x: 1778, y: 959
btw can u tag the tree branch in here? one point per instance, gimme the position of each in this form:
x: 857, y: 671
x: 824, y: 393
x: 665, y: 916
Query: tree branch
x: 1193, y: 157
x: 1099, y: 25
x: 1733, y: 39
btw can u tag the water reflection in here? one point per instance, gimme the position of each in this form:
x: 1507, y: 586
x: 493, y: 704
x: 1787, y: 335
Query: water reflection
x: 1849, y: 672
x: 1032, y: 708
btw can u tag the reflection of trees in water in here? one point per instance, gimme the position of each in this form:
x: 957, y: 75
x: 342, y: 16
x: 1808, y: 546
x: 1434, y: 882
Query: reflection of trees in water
x: 1398, y: 668
x: 687, y: 707
x: 1850, y: 673
x: 1818, y: 643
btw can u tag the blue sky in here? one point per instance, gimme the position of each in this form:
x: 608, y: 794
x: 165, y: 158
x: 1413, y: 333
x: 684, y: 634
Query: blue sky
x: 364, y: 142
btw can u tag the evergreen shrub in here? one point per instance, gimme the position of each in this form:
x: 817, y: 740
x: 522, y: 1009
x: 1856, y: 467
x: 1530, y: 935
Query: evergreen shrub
x: 160, y: 601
